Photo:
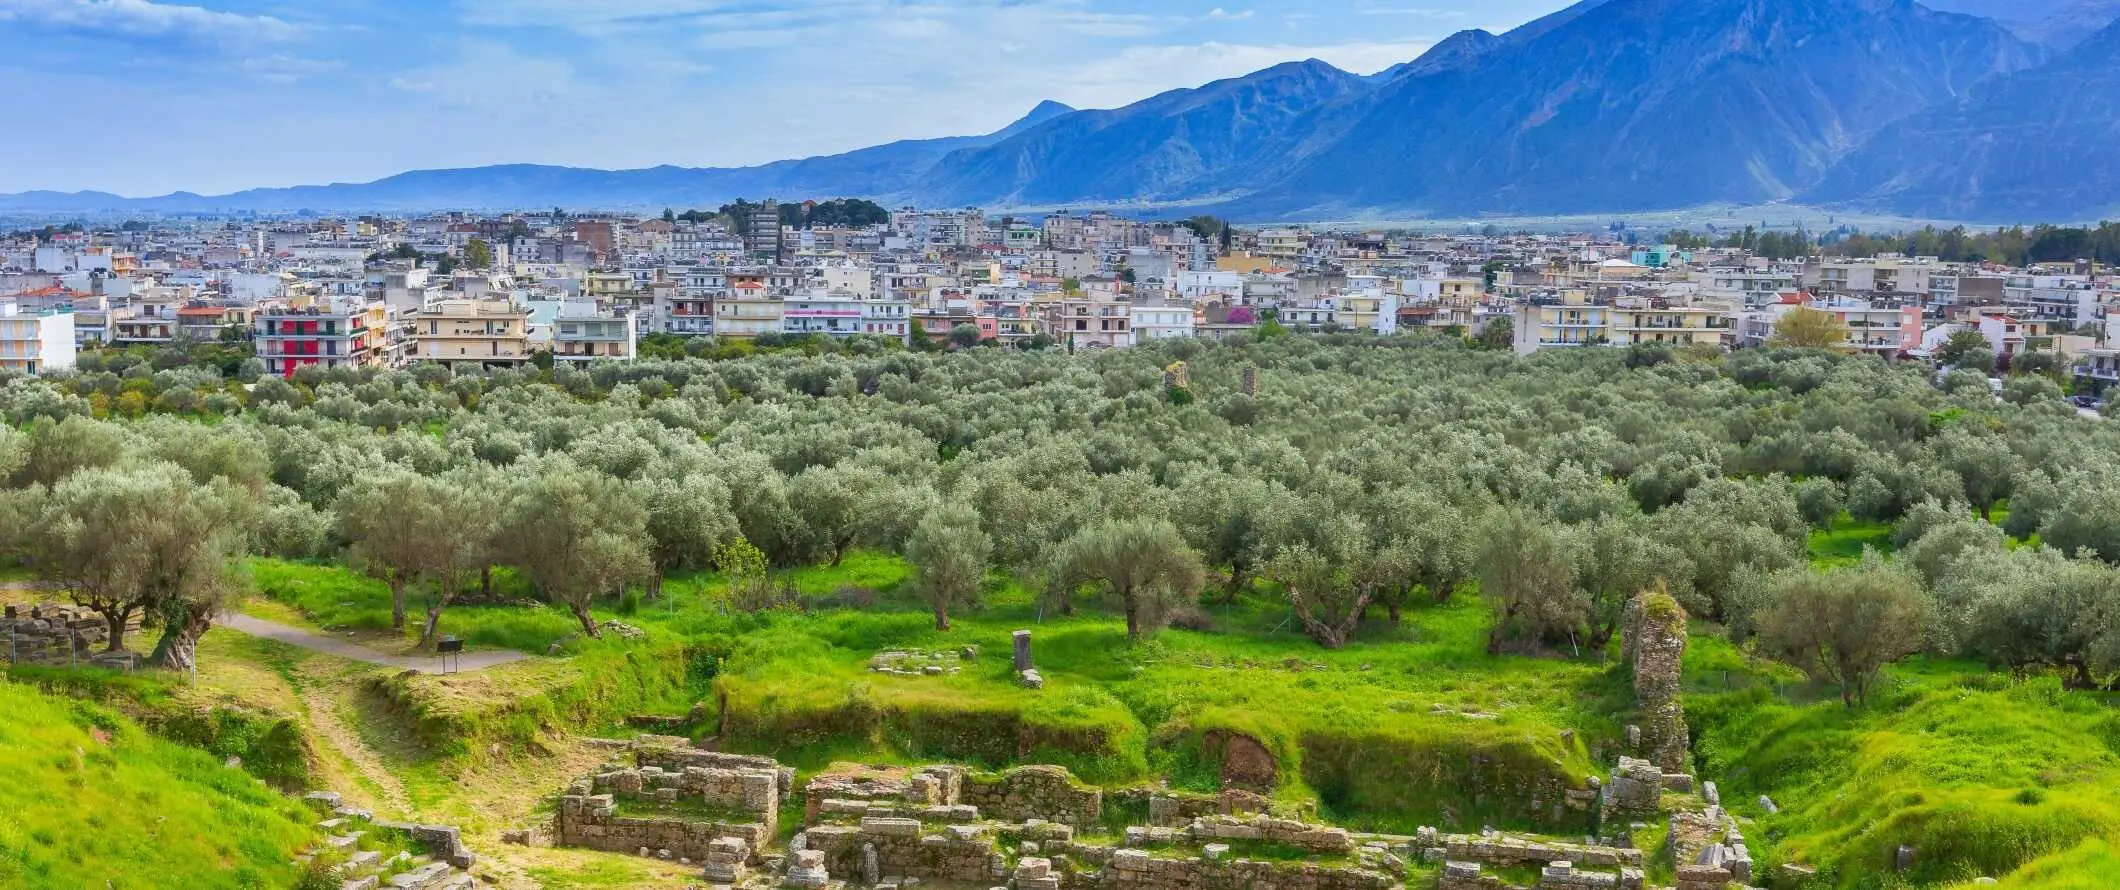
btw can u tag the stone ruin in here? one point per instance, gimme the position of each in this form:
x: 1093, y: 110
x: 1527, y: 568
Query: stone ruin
x: 54, y: 635
x: 441, y: 863
x: 1654, y: 642
x: 1038, y: 828
x: 922, y: 663
x: 1706, y: 845
x: 1563, y: 866
x: 662, y: 797
x: 1635, y: 791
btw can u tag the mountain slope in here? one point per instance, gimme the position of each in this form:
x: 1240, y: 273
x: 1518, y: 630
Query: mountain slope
x: 2036, y: 145
x: 1458, y: 49
x: 1180, y: 144
x: 1652, y: 103
x: 883, y: 171
x: 2070, y: 25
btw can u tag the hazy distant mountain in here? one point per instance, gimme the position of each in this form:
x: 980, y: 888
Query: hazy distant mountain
x: 2070, y: 25
x: 880, y: 171
x: 1179, y: 145
x: 1651, y: 103
x: 1456, y: 50
x: 2036, y: 145
x: 1607, y: 105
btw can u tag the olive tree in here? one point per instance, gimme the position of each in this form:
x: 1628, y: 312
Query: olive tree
x: 949, y: 553
x: 1843, y: 626
x: 1145, y: 563
x: 578, y: 533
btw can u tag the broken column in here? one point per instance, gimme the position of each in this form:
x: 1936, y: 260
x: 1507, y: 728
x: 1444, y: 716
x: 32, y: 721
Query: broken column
x: 871, y: 866
x: 1025, y: 672
x: 1034, y: 873
x: 806, y: 870
x: 1655, y: 643
x: 725, y: 860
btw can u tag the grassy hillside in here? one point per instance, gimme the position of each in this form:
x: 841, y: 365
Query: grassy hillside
x: 91, y: 800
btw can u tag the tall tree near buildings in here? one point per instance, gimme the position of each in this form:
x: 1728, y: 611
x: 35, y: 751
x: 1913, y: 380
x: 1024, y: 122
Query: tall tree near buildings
x: 1807, y: 328
x: 578, y: 533
x: 1143, y: 562
x: 949, y: 555
x: 478, y: 254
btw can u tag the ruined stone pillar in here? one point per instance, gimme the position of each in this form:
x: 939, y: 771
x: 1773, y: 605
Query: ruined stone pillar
x: 1656, y: 645
x: 1023, y: 650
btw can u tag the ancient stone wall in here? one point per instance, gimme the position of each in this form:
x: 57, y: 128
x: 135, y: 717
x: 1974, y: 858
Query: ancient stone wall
x: 674, y: 754
x: 1142, y: 870
x: 679, y: 800
x: 1034, y: 792
x: 592, y: 822
x: 894, y: 847
x: 59, y: 636
x: 1655, y: 643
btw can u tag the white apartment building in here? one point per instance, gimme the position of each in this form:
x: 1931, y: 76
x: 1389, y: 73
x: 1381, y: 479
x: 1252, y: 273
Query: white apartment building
x: 1161, y: 321
x: 35, y: 342
x: 583, y: 331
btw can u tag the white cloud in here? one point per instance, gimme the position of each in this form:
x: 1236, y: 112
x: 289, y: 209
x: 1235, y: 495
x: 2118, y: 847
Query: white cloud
x: 142, y: 18
x: 283, y: 68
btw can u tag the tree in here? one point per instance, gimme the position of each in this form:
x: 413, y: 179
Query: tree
x: 1527, y: 574
x: 144, y: 539
x: 1958, y: 345
x: 578, y: 533
x: 1621, y: 558
x: 1843, y: 626
x: 1807, y: 328
x: 688, y: 517
x: 965, y: 336
x: 478, y: 254
x: 1236, y: 523
x: 1143, y: 562
x: 381, y: 518
x: 1983, y: 464
x: 846, y: 506
x: 949, y: 555
x: 409, y: 529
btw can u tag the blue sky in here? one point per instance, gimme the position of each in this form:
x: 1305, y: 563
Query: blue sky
x: 144, y: 97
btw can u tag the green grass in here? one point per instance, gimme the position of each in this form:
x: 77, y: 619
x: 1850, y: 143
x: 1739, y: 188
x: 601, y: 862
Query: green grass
x: 1843, y: 545
x: 1356, y: 729
x: 91, y: 800
x: 1980, y: 774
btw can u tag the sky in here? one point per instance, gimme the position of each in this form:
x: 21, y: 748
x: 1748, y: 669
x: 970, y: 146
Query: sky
x: 145, y: 97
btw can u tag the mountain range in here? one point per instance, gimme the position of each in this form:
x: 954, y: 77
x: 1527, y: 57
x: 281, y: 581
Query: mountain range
x: 1977, y: 110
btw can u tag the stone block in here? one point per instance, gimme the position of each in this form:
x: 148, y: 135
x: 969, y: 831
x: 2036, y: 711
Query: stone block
x: 890, y: 826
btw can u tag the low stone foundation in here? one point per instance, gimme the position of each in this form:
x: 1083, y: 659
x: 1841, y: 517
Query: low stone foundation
x: 1034, y: 792
x: 678, y: 814
x: 54, y: 635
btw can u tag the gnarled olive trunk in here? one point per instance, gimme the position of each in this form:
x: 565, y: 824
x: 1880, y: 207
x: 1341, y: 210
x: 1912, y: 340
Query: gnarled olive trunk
x: 178, y: 649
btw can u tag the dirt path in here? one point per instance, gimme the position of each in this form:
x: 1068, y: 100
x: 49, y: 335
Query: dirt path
x: 322, y: 698
x: 316, y: 642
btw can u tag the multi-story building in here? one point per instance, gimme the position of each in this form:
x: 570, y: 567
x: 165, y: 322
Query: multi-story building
x: 1561, y: 320
x: 343, y: 333
x: 833, y: 315
x: 748, y: 311
x: 1652, y: 322
x: 1370, y: 310
x: 583, y: 331
x: 1084, y: 322
x: 468, y: 331
x: 1160, y: 321
x: 2070, y: 299
x: 35, y: 342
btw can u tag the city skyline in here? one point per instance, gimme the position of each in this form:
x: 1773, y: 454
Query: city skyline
x: 141, y: 98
